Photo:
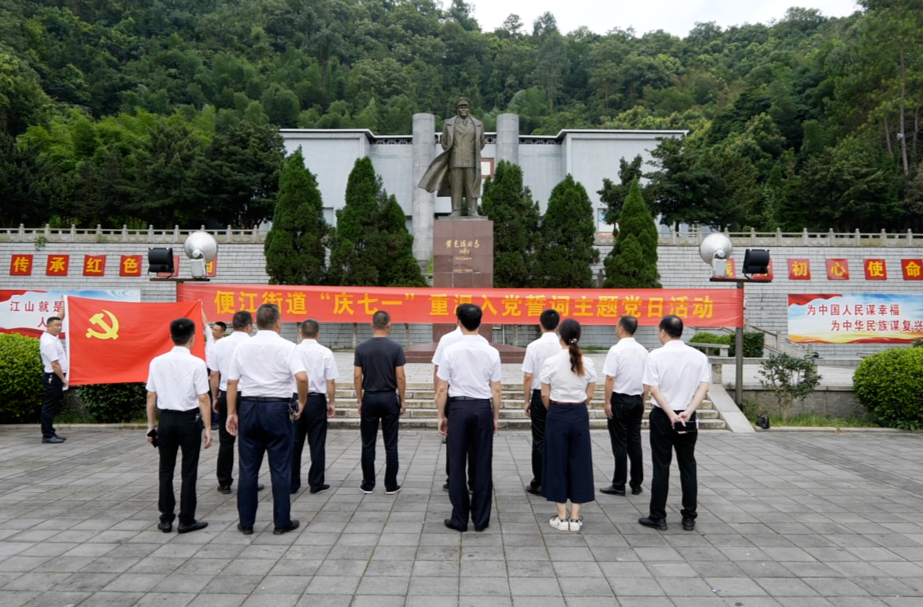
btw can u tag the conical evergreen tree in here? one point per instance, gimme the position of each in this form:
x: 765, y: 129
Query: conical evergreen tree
x: 371, y: 244
x: 568, y: 234
x: 294, y: 247
x: 516, y: 226
x: 398, y: 267
x: 352, y: 256
x: 632, y: 263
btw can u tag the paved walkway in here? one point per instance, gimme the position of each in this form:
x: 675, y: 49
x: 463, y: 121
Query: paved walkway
x: 785, y: 520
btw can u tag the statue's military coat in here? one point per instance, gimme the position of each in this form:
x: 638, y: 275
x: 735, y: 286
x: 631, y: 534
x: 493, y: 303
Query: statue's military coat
x: 436, y: 178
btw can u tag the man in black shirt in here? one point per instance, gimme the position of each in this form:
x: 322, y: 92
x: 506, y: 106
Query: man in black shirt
x: 378, y: 376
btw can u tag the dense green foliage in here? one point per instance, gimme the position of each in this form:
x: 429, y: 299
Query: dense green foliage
x: 371, y: 244
x: 20, y: 379
x: 516, y: 226
x: 754, y: 343
x: 632, y: 262
x: 567, y: 237
x: 807, y: 122
x: 114, y: 403
x: 887, y: 385
x: 294, y: 247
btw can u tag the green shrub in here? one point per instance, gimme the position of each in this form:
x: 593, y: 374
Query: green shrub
x: 753, y: 345
x: 20, y: 379
x: 790, y: 378
x: 711, y: 338
x: 114, y: 403
x: 887, y: 385
x: 917, y: 343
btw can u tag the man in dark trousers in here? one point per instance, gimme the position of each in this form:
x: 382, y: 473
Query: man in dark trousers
x: 177, y: 386
x: 54, y: 377
x: 262, y: 370
x: 470, y: 378
x: 536, y: 353
x: 624, y: 405
x: 222, y: 354
x: 678, y: 377
x: 322, y: 398
x: 380, y: 383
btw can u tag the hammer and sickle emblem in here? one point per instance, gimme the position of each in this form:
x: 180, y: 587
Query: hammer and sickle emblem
x: 110, y: 330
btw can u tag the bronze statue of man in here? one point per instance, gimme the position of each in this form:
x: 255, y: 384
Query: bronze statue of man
x: 457, y: 171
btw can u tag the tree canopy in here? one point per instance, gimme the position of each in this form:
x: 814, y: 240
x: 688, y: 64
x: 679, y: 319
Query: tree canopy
x: 131, y: 112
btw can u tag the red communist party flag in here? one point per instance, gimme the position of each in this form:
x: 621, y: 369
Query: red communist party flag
x: 111, y: 342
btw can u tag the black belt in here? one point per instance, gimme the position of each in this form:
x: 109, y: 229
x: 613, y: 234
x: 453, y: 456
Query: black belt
x: 534, y: 390
x: 457, y: 398
x: 187, y: 413
x: 379, y: 391
x: 316, y: 394
x: 267, y: 399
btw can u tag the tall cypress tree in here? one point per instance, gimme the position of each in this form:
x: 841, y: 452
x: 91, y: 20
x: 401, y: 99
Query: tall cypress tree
x: 294, y: 247
x: 632, y: 263
x: 568, y: 236
x: 371, y: 244
x: 516, y: 226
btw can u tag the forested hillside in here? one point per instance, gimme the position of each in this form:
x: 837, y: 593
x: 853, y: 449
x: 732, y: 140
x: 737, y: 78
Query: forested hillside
x: 165, y: 111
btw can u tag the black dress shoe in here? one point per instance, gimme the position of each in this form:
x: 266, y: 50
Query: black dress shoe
x: 688, y: 524
x: 445, y: 487
x: 165, y: 527
x: 260, y: 487
x: 245, y: 530
x: 61, y: 437
x: 225, y: 489
x: 321, y: 489
x: 192, y: 527
x: 534, y: 490
x: 294, y: 490
x: 53, y: 440
x: 291, y: 527
x: 611, y: 490
x: 654, y: 523
x: 448, y: 523
x: 482, y: 528
x: 636, y: 490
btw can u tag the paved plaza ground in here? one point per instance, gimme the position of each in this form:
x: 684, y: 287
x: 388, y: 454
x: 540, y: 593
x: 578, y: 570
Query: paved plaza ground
x: 785, y: 520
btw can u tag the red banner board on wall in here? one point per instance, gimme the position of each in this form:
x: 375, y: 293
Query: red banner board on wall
x: 697, y: 307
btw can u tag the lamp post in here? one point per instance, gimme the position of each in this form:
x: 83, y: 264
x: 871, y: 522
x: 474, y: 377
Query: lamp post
x: 715, y: 250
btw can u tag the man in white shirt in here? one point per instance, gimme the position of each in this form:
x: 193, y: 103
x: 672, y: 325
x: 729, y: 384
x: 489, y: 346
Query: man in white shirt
x: 624, y: 405
x: 54, y: 378
x: 242, y: 322
x: 262, y: 370
x: 469, y: 377
x: 444, y: 342
x: 322, y: 397
x: 678, y: 378
x: 213, y: 332
x: 536, y: 353
x: 177, y: 386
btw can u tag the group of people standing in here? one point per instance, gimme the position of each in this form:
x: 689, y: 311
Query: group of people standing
x: 272, y: 395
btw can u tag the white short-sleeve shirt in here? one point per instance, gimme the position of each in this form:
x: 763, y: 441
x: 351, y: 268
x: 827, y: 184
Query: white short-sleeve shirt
x: 265, y: 366
x: 567, y: 386
x: 677, y: 370
x: 178, y: 378
x: 469, y: 366
x: 318, y: 361
x: 223, y: 353
x: 444, y: 342
x: 51, y: 349
x: 537, y: 353
x: 626, y: 362
x: 210, y: 344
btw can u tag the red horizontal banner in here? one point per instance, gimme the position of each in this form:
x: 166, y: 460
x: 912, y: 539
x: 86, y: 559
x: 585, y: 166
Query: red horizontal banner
x: 697, y: 307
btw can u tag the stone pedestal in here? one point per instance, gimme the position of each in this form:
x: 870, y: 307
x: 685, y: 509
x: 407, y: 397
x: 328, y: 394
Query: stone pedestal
x: 463, y: 258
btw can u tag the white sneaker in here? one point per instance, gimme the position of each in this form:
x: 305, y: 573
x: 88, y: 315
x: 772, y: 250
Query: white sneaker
x: 559, y: 524
x: 576, y: 524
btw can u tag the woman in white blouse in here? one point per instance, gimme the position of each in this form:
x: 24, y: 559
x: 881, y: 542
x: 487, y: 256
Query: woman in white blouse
x: 568, y: 384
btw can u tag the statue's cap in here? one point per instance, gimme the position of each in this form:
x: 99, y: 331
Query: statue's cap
x: 463, y: 100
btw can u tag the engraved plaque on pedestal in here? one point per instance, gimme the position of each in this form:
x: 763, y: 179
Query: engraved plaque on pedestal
x: 463, y: 257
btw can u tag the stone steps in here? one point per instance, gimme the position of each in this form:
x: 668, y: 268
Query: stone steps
x: 343, y: 423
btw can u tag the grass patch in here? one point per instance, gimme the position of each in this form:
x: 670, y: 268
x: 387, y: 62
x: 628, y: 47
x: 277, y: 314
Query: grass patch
x: 811, y: 420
